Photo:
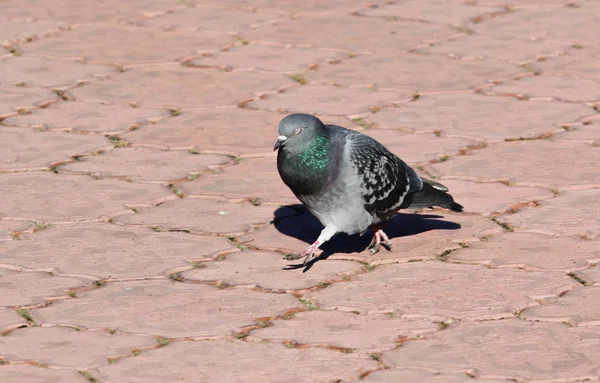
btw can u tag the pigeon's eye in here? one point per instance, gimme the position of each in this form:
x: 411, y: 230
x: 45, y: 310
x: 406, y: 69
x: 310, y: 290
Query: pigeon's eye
x: 298, y: 130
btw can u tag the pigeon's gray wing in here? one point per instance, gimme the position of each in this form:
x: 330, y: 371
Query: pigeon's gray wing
x: 386, y: 179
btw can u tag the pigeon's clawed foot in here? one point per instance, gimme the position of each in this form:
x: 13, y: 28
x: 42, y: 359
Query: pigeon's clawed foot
x: 379, y: 239
x: 308, y: 254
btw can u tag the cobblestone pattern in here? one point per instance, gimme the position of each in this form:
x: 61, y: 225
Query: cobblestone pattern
x: 143, y: 224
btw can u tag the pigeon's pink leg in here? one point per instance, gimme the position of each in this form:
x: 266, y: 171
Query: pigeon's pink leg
x: 380, y: 238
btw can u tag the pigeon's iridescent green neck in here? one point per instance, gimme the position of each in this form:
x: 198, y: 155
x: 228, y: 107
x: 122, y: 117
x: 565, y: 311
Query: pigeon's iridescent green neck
x: 316, y: 156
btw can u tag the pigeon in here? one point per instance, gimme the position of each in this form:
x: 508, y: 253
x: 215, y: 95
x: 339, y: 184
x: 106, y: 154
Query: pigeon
x: 349, y: 181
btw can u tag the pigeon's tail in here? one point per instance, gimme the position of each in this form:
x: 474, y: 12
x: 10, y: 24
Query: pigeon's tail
x: 434, y: 194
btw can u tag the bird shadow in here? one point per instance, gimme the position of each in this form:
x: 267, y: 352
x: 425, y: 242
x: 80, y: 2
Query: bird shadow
x: 296, y: 221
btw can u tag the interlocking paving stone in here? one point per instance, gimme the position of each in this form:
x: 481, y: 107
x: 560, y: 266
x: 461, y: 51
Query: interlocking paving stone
x: 443, y: 290
x: 70, y: 347
x: 202, y: 215
x: 228, y: 129
x: 63, y: 10
x: 40, y: 71
x: 494, y: 197
x: 578, y: 308
x: 9, y: 320
x: 530, y: 251
x: 24, y: 30
x: 479, y: 116
x: 348, y: 330
x: 21, y: 147
x: 88, y: 42
x: 503, y: 48
x: 578, y: 63
x: 327, y: 99
x: 88, y: 117
x: 109, y: 251
x: 146, y: 164
x: 510, y: 348
x: 528, y: 162
x: 219, y: 19
x: 346, y: 32
x: 229, y: 361
x: 242, y: 181
x: 583, y: 133
x: 570, y: 214
x: 558, y: 87
x: 17, y: 96
x: 18, y: 373
x: 433, y: 11
x: 178, y: 87
x: 73, y: 197
x: 8, y: 228
x: 30, y: 288
x: 265, y: 270
x: 169, y: 309
x: 411, y: 375
x: 420, y: 73
x: 569, y: 24
x: 267, y: 57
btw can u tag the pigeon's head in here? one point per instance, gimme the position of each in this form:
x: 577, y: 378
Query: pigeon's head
x: 297, y: 129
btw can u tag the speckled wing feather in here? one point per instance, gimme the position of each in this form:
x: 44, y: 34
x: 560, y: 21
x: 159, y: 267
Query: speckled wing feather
x: 386, y: 179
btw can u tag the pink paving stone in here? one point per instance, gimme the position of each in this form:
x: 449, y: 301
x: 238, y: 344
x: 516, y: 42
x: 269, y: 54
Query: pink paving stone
x: 414, y: 148
x: 228, y: 129
x: 146, y: 164
x: 327, y: 99
x: 590, y: 275
x: 347, y: 32
x: 19, y: 373
x: 433, y: 11
x: 266, y: 57
x: 105, y: 43
x: 67, y: 347
x: 442, y: 290
x: 109, y: 251
x: 13, y: 98
x: 28, y: 149
x: 578, y: 308
x: 572, y: 213
x: 72, y: 197
x: 503, y: 48
x: 479, y: 116
x: 224, y: 18
x: 568, y: 24
x: 510, y: 348
x: 348, y: 330
x: 527, y: 162
x: 30, y: 288
x: 25, y: 30
x: 415, y: 237
x: 95, y: 11
x: 578, y: 63
x: 39, y: 71
x: 530, y: 251
x: 229, y: 361
x: 265, y: 270
x: 88, y: 117
x: 488, y: 198
x: 202, y: 215
x: 294, y: 7
x: 167, y: 308
x: 581, y: 133
x: 10, y: 320
x: 180, y: 87
x: 517, y: 4
x: 10, y: 228
x: 558, y: 87
x: 416, y: 72
x: 252, y: 178
x: 412, y: 375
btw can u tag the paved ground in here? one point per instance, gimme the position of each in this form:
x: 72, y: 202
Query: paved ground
x: 143, y: 223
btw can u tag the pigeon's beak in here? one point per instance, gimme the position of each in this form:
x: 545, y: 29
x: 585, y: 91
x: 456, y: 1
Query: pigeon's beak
x: 280, y: 141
